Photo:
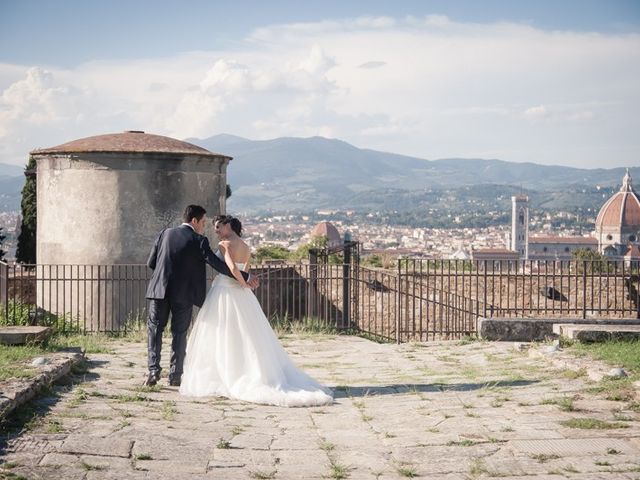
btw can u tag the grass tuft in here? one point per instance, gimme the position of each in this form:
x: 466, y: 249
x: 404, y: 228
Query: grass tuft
x: 262, y: 475
x: 338, y: 471
x: 564, y: 403
x: 543, y: 457
x: 90, y: 467
x: 126, y: 398
x: 407, y: 471
x: 223, y: 444
x: 305, y: 327
x: 326, y: 446
x: 592, y: 424
x: 461, y: 443
x: 169, y: 410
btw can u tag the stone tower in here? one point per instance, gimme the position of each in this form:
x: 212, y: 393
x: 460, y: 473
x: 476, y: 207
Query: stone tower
x: 520, y: 225
x: 101, y: 201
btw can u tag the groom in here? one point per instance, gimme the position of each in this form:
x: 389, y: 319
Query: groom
x: 177, y: 284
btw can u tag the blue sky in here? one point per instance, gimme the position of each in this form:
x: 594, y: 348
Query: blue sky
x: 551, y: 82
x: 67, y: 33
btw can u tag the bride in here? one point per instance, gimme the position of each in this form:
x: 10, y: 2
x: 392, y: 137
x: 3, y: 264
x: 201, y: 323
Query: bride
x: 232, y: 350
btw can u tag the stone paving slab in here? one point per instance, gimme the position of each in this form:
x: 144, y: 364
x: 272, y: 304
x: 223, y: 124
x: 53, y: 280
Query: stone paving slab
x: 574, y: 447
x: 94, y: 445
x: 440, y: 410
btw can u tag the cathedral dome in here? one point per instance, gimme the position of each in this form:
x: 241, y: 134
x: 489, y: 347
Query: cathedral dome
x: 622, y: 210
x: 326, y: 229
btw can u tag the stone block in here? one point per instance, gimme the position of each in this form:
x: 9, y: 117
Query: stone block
x: 19, y: 335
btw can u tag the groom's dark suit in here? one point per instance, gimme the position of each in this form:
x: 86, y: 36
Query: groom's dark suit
x: 178, y: 283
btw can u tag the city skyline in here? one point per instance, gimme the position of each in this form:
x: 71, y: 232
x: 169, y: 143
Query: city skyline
x: 550, y: 83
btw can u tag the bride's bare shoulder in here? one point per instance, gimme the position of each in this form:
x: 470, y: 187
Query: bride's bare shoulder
x: 243, y: 249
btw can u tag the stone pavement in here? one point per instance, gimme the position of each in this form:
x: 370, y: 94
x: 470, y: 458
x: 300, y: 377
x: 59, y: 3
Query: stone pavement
x: 441, y: 410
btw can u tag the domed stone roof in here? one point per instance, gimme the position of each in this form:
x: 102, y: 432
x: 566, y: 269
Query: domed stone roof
x: 622, y: 209
x: 132, y: 141
x: 326, y: 229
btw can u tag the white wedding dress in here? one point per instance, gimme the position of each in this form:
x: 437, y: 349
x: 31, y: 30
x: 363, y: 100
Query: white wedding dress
x: 233, y: 352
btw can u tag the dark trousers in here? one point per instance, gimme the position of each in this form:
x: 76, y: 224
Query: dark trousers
x: 180, y: 320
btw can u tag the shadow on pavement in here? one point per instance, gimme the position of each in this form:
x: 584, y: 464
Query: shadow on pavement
x: 344, y: 391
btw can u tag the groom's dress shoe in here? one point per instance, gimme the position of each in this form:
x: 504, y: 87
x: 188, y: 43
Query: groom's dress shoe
x: 174, y: 382
x: 151, y: 380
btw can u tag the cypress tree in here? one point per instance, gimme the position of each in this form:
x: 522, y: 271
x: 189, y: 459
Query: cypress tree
x: 26, y: 251
x: 2, y: 252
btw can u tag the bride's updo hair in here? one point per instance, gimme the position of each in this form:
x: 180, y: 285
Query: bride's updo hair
x: 236, y: 225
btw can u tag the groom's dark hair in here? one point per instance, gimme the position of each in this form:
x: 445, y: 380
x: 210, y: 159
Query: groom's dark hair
x: 193, y: 211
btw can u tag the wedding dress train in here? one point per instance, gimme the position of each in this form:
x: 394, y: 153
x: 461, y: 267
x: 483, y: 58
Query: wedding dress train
x: 233, y: 352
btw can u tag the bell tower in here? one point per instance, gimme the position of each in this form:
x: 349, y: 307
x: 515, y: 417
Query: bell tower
x: 520, y: 225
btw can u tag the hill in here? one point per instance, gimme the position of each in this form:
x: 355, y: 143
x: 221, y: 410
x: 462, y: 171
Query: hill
x: 309, y: 173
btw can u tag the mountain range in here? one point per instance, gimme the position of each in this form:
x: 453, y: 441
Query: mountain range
x: 305, y: 174
x: 289, y: 174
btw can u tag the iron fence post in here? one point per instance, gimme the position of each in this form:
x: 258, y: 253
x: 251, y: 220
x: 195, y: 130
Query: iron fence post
x: 584, y: 289
x: 346, y: 296
x: 4, y: 289
x: 398, y: 303
x: 485, y: 289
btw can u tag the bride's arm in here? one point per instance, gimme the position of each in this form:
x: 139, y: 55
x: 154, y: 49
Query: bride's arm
x: 225, y: 247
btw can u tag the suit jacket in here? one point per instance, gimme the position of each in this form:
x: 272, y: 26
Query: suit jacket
x: 178, y: 258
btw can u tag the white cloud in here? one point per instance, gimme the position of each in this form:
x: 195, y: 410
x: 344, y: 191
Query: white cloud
x: 535, y: 113
x: 447, y: 89
x: 372, y: 64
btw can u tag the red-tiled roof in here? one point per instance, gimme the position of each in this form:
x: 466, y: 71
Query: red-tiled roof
x: 492, y: 251
x: 128, y: 142
x: 563, y: 240
x: 326, y: 229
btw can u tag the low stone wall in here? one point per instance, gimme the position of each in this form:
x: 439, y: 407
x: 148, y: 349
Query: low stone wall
x: 15, y: 392
x: 534, y: 329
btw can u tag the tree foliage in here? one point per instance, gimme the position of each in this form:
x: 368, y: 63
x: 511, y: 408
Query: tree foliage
x: 319, y: 242
x: 591, y: 261
x: 26, y: 251
x: 269, y: 252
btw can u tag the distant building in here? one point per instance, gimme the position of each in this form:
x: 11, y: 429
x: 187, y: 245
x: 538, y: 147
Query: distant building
x: 460, y: 254
x: 617, y: 228
x: 520, y: 225
x: 496, y: 258
x: 327, y: 229
x: 558, y: 248
x: 618, y: 223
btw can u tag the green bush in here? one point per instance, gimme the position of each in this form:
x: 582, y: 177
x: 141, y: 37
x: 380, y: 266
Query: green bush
x: 21, y: 314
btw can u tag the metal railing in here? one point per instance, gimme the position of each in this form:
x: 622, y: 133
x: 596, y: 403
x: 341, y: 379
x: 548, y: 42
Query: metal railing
x: 419, y: 300
x: 104, y: 298
x: 578, y: 288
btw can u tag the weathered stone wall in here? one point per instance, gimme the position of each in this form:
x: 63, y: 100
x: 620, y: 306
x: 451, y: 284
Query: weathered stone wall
x: 106, y: 209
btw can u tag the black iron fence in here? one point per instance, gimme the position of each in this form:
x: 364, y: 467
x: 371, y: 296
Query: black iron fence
x: 104, y: 298
x: 419, y: 300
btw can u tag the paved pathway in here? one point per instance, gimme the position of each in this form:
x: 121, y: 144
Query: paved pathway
x: 438, y: 411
